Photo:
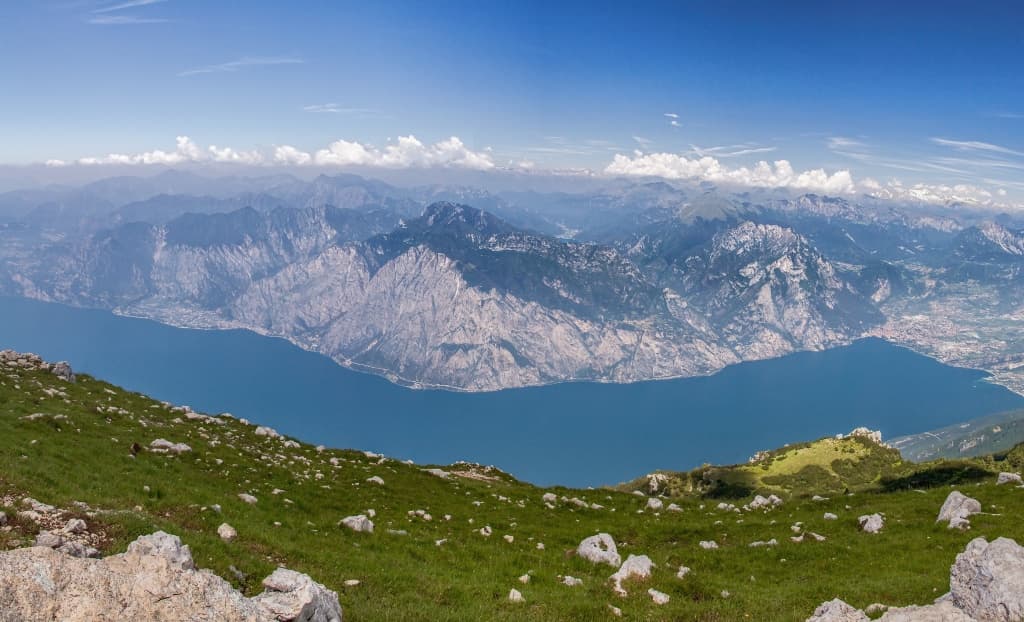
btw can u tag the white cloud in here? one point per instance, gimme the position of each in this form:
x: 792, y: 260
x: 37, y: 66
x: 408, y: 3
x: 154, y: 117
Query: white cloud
x: 674, y: 123
x: 227, y: 154
x: 842, y: 142
x: 131, y: 4
x: 780, y: 174
x: 930, y: 193
x: 671, y: 115
x: 643, y: 142
x: 975, y: 145
x: 730, y: 151
x: 405, y: 152
x: 186, y: 151
x: 235, y: 65
x: 287, y: 154
x: 123, y: 20
x: 335, y: 109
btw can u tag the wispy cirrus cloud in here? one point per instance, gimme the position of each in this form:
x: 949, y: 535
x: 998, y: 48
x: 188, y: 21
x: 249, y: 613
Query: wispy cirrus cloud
x: 337, y: 109
x: 124, y: 20
x: 976, y: 145
x: 731, y: 151
x: 242, y: 63
x: 843, y: 142
x: 131, y: 4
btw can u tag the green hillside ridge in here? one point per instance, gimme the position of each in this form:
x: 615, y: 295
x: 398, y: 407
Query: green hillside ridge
x: 82, y: 446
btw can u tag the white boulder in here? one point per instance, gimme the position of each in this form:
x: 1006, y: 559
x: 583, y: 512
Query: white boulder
x: 956, y: 510
x: 226, y: 532
x: 359, y: 523
x: 635, y: 567
x: 599, y: 549
x: 1009, y: 478
x: 871, y: 523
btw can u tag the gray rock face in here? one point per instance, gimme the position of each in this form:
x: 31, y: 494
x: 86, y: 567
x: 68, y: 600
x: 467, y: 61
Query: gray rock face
x: 599, y: 549
x: 294, y: 596
x: 164, y: 446
x: 956, y: 509
x: 871, y: 523
x: 63, y: 371
x: 837, y: 611
x: 941, y: 611
x: 987, y: 580
x: 986, y: 584
x: 1009, y: 478
x: 404, y: 304
x: 155, y: 580
x: 358, y: 523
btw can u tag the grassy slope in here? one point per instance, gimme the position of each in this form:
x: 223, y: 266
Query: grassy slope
x: 87, y: 458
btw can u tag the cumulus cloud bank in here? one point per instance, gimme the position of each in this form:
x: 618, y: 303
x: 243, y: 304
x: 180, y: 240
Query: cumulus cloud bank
x: 405, y: 152
x: 779, y: 174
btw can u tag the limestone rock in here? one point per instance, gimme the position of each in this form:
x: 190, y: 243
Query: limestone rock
x: 63, y: 370
x: 659, y: 598
x: 987, y: 580
x: 49, y: 539
x: 837, y: 611
x: 155, y: 579
x: 761, y: 502
x: 986, y: 584
x: 635, y: 567
x: 163, y: 446
x: 871, y: 523
x: 291, y: 595
x: 358, y: 522
x: 75, y: 526
x: 599, y: 549
x: 957, y: 508
x: 655, y: 504
x: 226, y: 532
x: 1009, y: 478
x: 941, y: 611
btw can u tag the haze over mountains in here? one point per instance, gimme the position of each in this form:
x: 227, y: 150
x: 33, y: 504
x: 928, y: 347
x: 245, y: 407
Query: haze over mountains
x: 465, y: 288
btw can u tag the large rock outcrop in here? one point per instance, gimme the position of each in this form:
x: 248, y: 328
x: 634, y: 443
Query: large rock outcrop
x: 987, y: 580
x: 155, y: 580
x: 986, y: 584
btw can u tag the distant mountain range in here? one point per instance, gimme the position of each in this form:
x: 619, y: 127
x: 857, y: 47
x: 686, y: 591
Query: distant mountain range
x: 466, y: 289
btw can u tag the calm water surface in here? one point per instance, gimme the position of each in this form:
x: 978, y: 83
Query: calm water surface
x: 575, y: 434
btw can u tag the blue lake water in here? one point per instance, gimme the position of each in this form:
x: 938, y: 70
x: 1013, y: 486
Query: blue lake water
x: 575, y: 434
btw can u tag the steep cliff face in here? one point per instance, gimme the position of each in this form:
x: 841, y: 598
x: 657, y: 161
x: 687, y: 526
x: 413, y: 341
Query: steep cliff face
x: 772, y: 292
x: 461, y: 299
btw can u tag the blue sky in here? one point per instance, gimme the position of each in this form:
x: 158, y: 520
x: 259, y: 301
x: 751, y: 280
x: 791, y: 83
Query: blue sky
x: 927, y: 93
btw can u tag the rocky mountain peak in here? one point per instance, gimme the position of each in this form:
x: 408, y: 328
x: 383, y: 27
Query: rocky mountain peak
x: 462, y: 219
x: 1011, y: 242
